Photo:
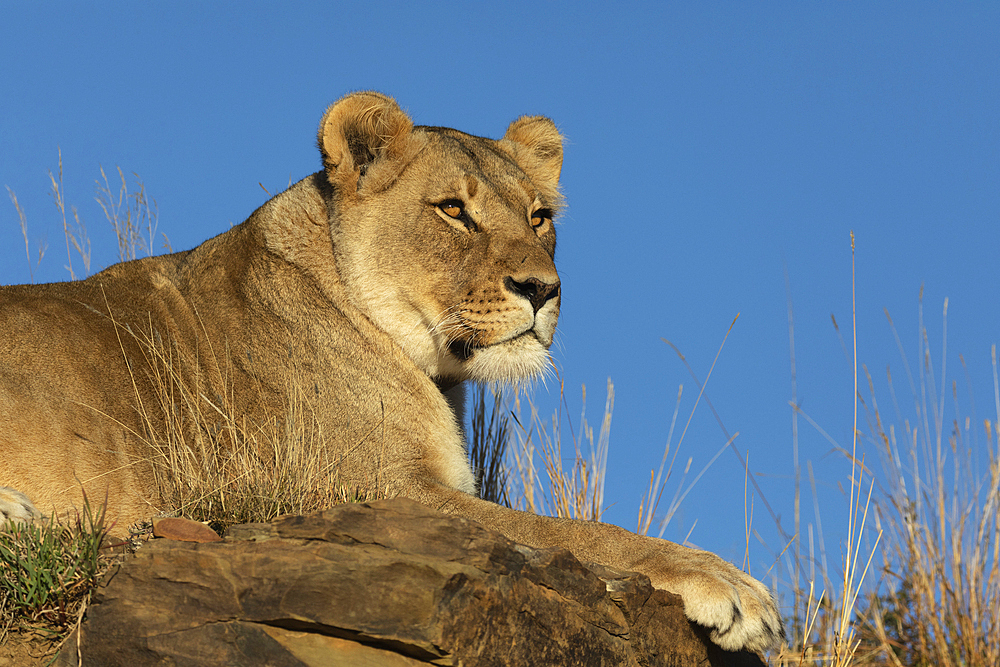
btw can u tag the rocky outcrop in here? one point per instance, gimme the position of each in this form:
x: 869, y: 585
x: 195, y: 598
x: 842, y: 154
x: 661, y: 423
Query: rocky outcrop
x: 390, y: 583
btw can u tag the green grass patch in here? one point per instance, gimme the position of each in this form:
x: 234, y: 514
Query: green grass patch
x: 48, y: 568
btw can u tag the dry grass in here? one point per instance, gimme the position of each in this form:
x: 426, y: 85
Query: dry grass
x: 75, y: 234
x: 941, y: 601
x: 824, y: 624
x: 488, y: 435
x: 132, y: 215
x: 938, y: 599
x: 213, y: 464
x: 540, y: 479
x: 649, y: 505
x: 825, y: 628
x: 22, y: 218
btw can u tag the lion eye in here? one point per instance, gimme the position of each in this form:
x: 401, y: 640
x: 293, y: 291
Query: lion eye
x: 539, y: 217
x: 452, y: 209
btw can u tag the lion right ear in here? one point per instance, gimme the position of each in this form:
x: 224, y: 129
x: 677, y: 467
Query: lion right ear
x: 362, y: 137
x: 544, y: 143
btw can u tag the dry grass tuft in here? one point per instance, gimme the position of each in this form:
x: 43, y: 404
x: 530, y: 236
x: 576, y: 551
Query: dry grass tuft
x: 941, y: 599
x: 488, y: 436
x: 575, y: 491
x: 132, y: 215
x: 214, y: 464
x: 75, y: 234
x: 23, y: 220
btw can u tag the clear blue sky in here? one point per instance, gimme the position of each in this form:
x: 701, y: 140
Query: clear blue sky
x: 710, y: 147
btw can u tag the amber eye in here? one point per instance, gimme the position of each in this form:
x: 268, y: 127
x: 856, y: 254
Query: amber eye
x: 539, y: 217
x: 451, y: 208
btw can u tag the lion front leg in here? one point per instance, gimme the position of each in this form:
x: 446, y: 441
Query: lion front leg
x: 15, y: 507
x: 738, y: 610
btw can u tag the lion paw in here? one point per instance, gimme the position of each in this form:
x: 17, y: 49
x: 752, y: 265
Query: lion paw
x: 15, y: 507
x: 738, y: 610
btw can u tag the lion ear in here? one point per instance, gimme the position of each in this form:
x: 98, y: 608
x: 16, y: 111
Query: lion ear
x: 360, y: 131
x: 544, y: 143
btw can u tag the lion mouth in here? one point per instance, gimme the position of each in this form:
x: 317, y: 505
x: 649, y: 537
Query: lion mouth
x: 463, y: 349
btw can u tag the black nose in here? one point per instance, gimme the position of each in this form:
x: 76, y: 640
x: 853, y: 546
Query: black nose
x: 533, y: 289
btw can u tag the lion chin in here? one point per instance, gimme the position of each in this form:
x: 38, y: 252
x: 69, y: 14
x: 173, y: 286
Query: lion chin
x: 515, y: 362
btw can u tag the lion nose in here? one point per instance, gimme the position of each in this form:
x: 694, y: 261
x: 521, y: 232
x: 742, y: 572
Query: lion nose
x: 533, y: 289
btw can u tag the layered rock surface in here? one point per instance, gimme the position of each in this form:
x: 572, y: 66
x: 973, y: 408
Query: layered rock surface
x: 385, y: 584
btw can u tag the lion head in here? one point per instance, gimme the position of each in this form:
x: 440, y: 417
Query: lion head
x: 446, y: 240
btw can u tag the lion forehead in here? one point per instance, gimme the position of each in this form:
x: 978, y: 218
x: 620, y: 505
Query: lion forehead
x: 484, y: 169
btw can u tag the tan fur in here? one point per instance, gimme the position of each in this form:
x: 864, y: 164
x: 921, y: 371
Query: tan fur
x: 357, y: 285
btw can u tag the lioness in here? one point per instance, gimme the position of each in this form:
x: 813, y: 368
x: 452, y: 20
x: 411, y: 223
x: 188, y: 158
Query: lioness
x: 418, y: 258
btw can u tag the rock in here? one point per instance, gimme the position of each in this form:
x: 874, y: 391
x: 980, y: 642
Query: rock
x: 185, y: 530
x: 388, y: 583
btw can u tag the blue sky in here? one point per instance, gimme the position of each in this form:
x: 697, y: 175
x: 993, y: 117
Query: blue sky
x: 711, y: 148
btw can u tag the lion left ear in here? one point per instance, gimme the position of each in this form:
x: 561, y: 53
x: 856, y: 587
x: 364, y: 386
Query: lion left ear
x: 359, y: 135
x: 544, y: 143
